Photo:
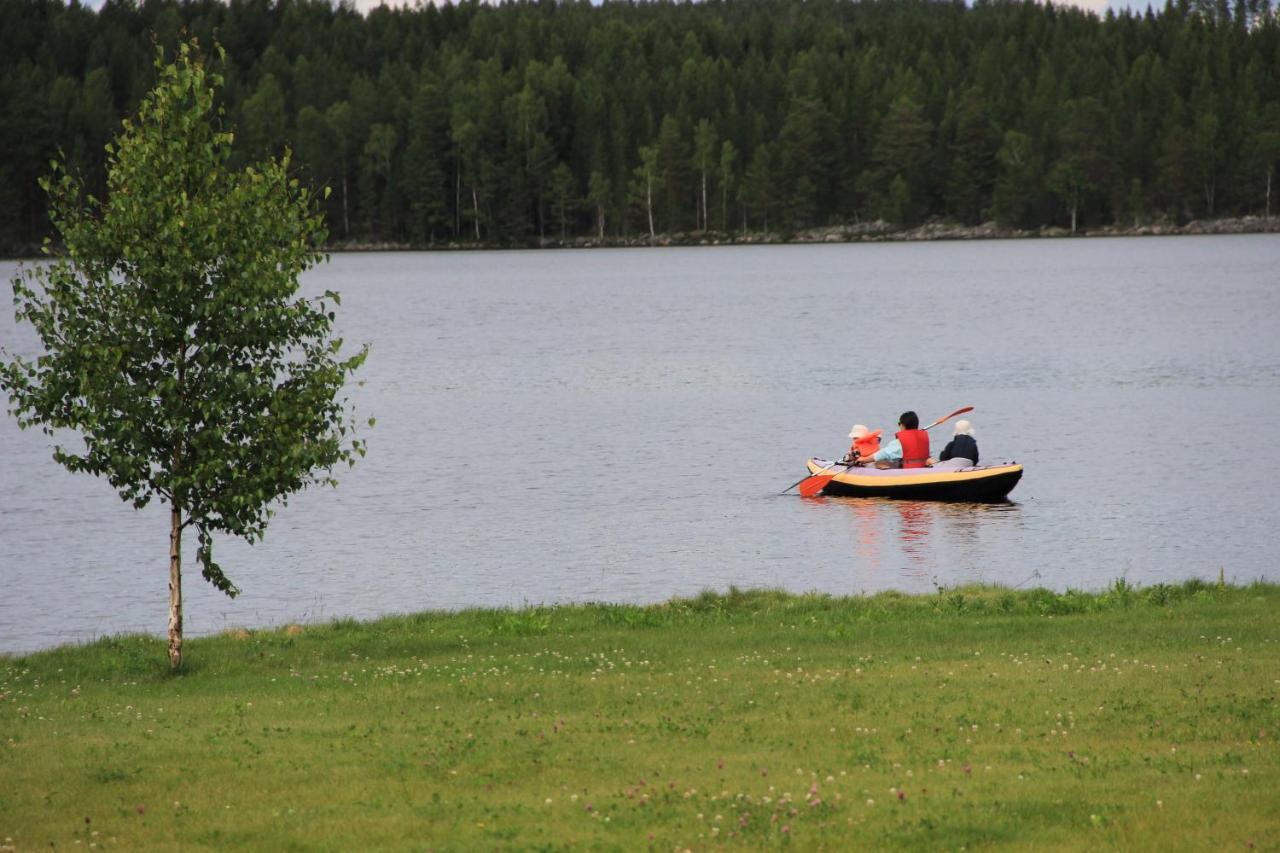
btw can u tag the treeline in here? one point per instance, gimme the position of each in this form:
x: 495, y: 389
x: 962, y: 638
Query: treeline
x: 504, y: 124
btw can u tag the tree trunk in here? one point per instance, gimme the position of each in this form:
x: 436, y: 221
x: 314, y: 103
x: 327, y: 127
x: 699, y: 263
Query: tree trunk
x: 175, y: 589
x: 475, y: 206
x: 1074, y: 208
x: 705, y: 217
x: 600, y: 221
x: 457, y: 202
x: 649, y: 205
x: 1270, y: 170
x: 346, y: 221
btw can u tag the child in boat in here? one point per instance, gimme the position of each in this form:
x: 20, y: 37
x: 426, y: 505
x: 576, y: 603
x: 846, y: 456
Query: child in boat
x: 865, y: 443
x: 962, y: 450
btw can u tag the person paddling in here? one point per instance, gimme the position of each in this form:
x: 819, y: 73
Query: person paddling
x: 865, y: 443
x: 909, y: 448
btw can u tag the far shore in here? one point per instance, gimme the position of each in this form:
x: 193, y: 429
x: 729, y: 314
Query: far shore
x: 859, y: 232
x: 877, y: 231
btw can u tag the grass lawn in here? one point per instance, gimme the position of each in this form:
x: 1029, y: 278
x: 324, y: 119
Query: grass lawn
x: 972, y: 718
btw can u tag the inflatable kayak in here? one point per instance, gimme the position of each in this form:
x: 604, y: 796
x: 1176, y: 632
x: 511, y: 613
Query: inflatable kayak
x: 983, y: 483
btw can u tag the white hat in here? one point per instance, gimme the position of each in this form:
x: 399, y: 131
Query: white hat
x: 963, y: 427
x: 858, y: 431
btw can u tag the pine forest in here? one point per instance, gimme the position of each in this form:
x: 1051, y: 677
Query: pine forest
x: 532, y: 122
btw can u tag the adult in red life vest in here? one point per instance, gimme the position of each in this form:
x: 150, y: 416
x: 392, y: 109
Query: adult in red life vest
x: 909, y: 448
x: 865, y: 444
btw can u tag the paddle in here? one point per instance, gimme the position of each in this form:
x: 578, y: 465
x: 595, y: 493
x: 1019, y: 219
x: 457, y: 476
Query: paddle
x: 805, y: 477
x: 814, y: 483
x: 950, y: 416
x: 810, y: 486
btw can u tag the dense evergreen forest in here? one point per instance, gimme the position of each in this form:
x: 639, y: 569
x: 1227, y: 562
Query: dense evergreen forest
x: 504, y: 124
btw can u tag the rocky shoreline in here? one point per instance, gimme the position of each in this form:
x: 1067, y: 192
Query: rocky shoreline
x: 862, y: 232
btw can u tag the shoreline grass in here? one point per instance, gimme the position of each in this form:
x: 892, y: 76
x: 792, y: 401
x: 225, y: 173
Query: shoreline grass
x: 975, y: 717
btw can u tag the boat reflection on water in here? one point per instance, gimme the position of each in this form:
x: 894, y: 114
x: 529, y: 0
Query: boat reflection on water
x: 918, y: 541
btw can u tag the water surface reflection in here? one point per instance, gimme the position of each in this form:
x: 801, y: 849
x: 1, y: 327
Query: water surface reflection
x: 920, y: 540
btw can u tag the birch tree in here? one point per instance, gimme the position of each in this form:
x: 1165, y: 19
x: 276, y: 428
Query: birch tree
x: 175, y: 341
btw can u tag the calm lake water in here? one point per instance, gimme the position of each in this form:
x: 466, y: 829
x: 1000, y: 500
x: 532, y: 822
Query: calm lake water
x: 615, y: 425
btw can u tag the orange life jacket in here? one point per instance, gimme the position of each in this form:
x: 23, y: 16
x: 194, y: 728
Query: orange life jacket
x: 915, y: 448
x: 867, y: 445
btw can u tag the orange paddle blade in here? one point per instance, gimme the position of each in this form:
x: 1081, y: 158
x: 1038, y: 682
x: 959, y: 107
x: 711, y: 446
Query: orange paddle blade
x: 815, y: 484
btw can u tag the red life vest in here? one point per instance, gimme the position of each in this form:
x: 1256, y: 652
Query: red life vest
x: 867, y: 445
x: 915, y: 447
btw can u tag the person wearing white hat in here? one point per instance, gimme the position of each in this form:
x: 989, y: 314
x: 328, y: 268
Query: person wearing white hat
x: 962, y: 450
x: 865, y: 443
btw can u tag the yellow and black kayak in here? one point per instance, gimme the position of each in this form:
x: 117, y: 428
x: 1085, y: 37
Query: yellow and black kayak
x: 982, y: 483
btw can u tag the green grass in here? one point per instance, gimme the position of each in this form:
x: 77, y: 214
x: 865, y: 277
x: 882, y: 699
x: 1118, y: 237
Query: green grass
x: 977, y: 717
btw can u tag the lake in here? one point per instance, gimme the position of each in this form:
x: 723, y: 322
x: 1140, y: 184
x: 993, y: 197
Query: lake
x: 616, y: 425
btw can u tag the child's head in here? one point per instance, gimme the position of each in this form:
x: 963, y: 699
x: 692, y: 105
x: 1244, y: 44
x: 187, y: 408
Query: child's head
x: 909, y: 420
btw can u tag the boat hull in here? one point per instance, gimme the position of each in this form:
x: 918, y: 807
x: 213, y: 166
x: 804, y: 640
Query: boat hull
x: 981, y: 484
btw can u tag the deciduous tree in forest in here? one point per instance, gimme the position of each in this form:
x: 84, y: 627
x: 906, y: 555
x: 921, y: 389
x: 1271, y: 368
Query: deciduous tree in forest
x: 1082, y: 169
x: 466, y: 140
x: 536, y: 151
x: 599, y: 196
x: 1265, y: 152
x: 1206, y: 152
x: 704, y: 155
x: 175, y: 339
x: 1067, y: 180
x: 377, y: 160
x: 563, y: 196
x: 1136, y: 202
x: 647, y: 183
x: 346, y: 129
x: 1017, y: 180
